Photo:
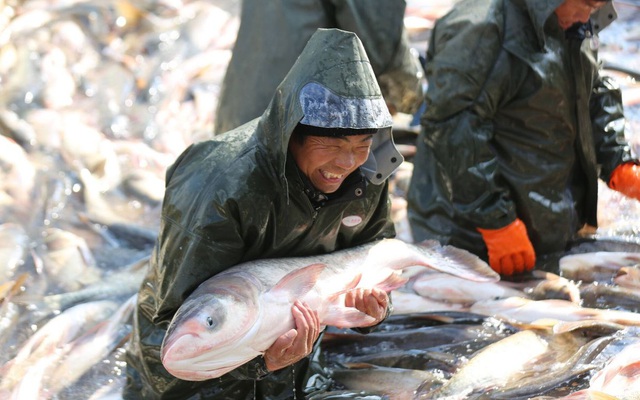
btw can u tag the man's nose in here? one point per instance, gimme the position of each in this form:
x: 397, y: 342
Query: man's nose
x: 346, y: 160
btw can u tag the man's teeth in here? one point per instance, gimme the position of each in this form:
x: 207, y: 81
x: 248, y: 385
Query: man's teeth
x: 329, y: 175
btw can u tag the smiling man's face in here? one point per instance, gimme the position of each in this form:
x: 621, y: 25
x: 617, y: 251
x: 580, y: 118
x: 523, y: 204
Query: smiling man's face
x: 327, y: 161
x: 573, y: 11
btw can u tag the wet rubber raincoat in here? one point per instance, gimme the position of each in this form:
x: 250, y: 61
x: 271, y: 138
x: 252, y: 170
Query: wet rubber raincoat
x: 239, y: 197
x: 519, y: 123
x: 273, y: 33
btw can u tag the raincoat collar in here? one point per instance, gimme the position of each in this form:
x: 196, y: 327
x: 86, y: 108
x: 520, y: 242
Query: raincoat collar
x: 331, y: 85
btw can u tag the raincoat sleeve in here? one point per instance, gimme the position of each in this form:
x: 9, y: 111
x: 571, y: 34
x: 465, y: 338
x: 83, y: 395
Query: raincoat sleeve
x: 381, y: 30
x: 188, y: 253
x: 468, y: 83
x: 608, y: 120
x: 191, y: 258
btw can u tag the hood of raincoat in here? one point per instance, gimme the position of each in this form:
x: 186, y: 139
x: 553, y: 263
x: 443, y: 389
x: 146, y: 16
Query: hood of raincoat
x: 539, y: 12
x: 325, y: 88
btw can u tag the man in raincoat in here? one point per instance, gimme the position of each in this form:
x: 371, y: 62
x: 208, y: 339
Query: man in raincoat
x: 519, y: 126
x: 308, y: 177
x: 273, y: 33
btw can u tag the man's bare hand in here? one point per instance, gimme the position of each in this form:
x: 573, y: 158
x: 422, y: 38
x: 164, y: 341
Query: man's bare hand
x: 373, y: 302
x: 297, y: 343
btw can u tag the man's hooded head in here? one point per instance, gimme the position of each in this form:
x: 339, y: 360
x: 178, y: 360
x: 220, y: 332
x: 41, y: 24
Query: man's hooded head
x: 332, y: 86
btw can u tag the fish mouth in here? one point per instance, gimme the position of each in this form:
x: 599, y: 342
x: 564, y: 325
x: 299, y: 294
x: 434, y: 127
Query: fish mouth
x: 184, y: 359
x: 199, y: 369
x: 177, y: 348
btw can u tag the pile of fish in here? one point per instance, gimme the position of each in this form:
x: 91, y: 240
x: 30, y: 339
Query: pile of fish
x: 100, y: 96
x: 546, y: 336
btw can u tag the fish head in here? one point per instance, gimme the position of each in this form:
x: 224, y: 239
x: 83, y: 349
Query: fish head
x: 206, y: 336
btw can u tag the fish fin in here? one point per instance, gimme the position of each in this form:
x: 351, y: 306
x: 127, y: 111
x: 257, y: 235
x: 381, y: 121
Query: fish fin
x: 543, y: 323
x: 568, y: 326
x: 351, y: 285
x: 45, y: 304
x: 457, y: 262
x: 598, y: 395
x: 631, y: 259
x: 345, y: 317
x: 12, y: 288
x: 333, y: 297
x: 299, y: 281
x: 359, y: 365
x: 392, y: 282
x: 632, y: 369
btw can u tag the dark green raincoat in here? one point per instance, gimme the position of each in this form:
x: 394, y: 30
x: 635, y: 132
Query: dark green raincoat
x: 519, y: 123
x: 273, y: 33
x: 239, y: 197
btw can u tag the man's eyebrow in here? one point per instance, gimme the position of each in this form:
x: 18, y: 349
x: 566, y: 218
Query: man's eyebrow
x: 369, y: 137
x: 365, y: 139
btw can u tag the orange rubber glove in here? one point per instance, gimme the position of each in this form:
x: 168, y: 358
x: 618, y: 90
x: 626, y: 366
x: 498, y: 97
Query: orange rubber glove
x: 510, y: 250
x: 626, y: 180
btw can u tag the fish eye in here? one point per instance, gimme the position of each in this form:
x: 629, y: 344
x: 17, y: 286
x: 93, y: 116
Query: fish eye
x: 209, y: 322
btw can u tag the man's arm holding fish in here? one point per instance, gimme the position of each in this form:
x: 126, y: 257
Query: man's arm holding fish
x: 297, y: 343
x: 374, y: 302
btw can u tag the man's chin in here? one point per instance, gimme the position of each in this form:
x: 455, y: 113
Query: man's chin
x: 330, y: 188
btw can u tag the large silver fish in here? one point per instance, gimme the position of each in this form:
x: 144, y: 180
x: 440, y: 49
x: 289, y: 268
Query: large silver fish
x: 513, y: 363
x: 523, y: 310
x: 451, y: 289
x: 619, y: 377
x: 599, y: 266
x: 396, y: 383
x: 236, y: 315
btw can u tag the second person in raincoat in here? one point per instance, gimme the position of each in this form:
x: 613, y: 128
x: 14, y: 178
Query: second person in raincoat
x: 273, y: 33
x: 519, y: 126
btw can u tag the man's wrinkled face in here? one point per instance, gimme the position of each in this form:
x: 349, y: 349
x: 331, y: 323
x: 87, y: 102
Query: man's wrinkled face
x: 574, y: 11
x: 327, y: 161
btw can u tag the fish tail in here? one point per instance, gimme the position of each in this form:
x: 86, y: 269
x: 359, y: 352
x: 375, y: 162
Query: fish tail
x: 40, y: 306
